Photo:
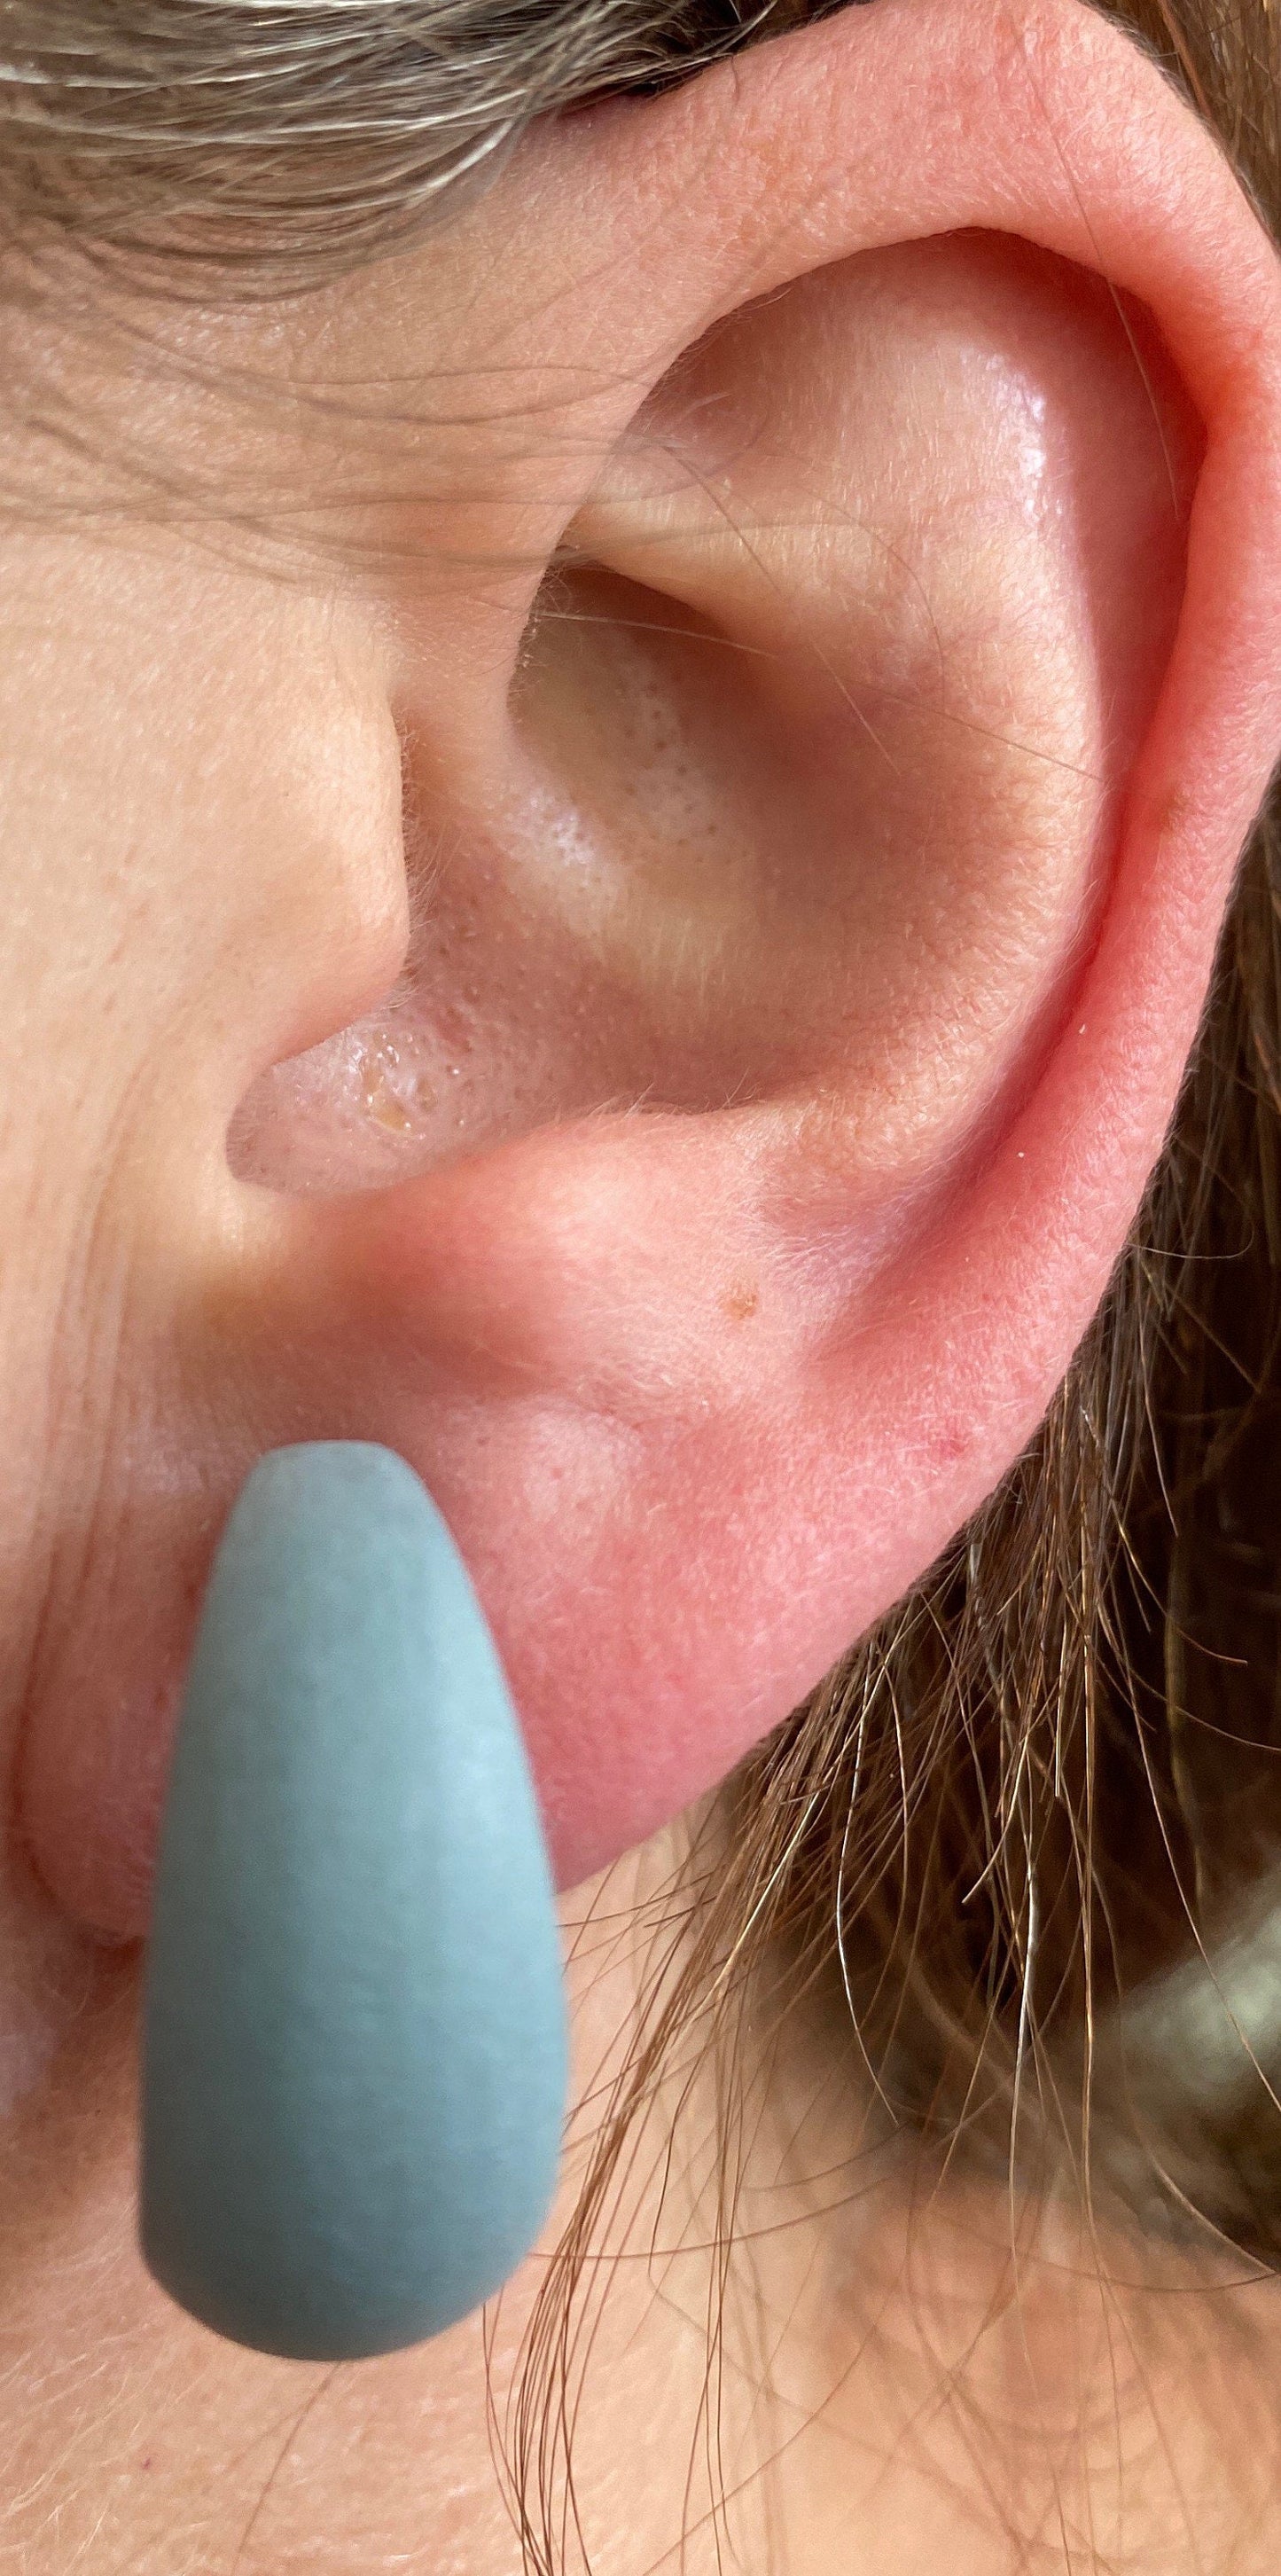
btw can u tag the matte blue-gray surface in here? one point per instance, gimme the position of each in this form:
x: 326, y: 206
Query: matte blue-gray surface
x: 354, y: 2053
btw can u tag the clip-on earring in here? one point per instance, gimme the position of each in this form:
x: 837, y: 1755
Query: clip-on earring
x: 354, y: 2048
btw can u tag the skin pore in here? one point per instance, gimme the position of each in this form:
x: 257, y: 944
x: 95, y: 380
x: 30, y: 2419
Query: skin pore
x: 757, y: 644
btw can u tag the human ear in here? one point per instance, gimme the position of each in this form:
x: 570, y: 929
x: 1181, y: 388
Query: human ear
x: 837, y: 810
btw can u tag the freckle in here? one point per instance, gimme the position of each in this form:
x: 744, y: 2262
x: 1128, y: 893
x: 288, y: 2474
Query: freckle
x: 742, y: 1302
x: 1172, y: 811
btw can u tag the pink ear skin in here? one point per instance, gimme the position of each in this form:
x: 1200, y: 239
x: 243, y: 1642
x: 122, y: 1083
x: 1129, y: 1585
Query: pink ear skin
x: 702, y: 1393
x: 658, y: 1610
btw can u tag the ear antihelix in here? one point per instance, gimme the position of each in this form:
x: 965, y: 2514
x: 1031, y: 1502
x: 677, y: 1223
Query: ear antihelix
x: 354, y: 2061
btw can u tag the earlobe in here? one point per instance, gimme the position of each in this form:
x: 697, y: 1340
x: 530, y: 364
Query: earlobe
x: 723, y: 1326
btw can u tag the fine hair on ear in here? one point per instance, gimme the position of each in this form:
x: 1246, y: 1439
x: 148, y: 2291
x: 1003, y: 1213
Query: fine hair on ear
x: 1024, y: 1842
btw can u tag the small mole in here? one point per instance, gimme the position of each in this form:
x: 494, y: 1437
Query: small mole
x: 742, y: 1302
x: 1171, y: 811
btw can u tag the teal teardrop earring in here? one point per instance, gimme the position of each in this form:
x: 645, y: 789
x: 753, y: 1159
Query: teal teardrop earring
x: 354, y: 2046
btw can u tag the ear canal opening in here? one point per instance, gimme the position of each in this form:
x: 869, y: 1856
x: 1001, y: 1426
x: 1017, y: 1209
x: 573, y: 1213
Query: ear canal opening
x: 530, y: 992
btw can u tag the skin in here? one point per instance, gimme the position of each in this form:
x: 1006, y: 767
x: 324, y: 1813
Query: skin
x: 814, y: 876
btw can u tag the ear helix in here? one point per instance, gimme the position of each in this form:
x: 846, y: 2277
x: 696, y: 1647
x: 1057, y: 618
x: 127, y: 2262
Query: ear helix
x: 354, y: 2049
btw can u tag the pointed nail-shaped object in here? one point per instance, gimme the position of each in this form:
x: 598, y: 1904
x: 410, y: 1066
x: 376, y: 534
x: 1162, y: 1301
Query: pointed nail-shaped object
x: 354, y: 2046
